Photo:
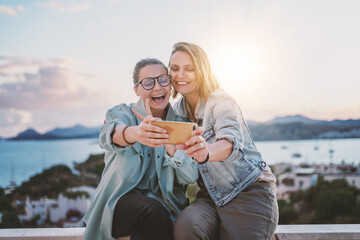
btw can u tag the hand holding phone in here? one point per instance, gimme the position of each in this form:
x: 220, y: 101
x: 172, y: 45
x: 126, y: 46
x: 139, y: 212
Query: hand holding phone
x: 179, y: 132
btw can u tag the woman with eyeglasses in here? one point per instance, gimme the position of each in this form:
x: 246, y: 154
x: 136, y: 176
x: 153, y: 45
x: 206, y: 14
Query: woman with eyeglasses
x: 237, y: 197
x: 143, y: 183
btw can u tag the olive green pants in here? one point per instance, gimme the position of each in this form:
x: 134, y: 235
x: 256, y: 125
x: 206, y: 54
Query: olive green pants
x: 253, y: 214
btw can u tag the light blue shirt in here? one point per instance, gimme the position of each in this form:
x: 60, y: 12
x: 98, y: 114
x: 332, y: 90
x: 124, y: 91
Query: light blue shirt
x: 125, y: 167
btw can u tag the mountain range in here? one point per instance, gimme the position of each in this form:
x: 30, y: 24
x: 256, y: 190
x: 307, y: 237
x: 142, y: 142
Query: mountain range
x: 298, y: 127
x: 305, y: 120
x: 77, y: 131
x: 280, y: 128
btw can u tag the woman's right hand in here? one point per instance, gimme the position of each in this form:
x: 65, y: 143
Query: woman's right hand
x: 145, y: 132
x: 196, y: 146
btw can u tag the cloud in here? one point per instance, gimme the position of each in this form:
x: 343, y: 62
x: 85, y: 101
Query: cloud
x: 10, y: 11
x: 8, y: 64
x: 11, y: 117
x: 61, y: 7
x: 34, y: 84
x: 13, y: 121
x: 20, y: 8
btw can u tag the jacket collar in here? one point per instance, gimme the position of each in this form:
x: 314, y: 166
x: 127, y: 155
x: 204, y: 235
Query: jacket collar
x: 199, y: 110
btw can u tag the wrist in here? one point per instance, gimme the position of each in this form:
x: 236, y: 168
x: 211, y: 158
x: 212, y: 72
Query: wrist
x: 206, y: 159
x: 170, y: 149
x: 127, y: 136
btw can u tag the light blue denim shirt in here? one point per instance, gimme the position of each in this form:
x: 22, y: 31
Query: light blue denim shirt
x: 221, y: 117
x: 126, y: 166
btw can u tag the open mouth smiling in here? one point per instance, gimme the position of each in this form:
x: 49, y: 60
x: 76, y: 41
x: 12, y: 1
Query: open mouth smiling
x: 158, y: 97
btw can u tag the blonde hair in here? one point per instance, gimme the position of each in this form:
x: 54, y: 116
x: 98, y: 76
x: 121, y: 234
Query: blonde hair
x: 206, y: 80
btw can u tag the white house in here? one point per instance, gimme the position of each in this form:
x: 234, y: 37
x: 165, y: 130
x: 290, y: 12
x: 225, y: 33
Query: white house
x: 304, y: 178
x: 299, y: 179
x: 56, y: 210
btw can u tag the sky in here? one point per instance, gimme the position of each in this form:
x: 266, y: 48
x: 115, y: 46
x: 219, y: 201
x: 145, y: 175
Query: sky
x: 66, y: 62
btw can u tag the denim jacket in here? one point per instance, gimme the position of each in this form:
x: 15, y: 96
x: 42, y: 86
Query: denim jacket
x: 125, y: 167
x: 221, y: 117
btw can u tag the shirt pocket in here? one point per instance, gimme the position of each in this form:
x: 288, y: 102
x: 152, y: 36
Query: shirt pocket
x: 226, y: 175
x: 239, y: 168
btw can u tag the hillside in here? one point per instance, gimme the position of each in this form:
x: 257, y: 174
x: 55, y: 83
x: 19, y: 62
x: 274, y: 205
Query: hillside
x: 77, y: 131
x: 58, y: 178
x: 298, y: 130
x: 91, y: 169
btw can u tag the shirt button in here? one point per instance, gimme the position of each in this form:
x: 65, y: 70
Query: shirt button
x: 158, y: 156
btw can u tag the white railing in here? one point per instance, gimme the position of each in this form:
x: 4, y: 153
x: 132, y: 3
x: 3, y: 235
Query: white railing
x: 303, y: 232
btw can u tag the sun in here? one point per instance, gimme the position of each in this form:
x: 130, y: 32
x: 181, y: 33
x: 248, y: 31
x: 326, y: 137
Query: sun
x: 237, y: 66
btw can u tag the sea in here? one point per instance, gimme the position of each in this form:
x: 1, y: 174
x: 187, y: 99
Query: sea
x: 19, y: 160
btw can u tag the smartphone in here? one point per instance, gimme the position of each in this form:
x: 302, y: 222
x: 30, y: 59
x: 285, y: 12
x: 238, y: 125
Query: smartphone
x: 179, y: 132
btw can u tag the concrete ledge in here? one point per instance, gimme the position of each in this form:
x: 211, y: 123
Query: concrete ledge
x: 283, y: 232
x: 42, y: 233
x: 318, y: 232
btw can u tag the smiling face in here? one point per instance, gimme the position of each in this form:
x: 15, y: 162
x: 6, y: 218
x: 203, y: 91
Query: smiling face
x: 159, y: 96
x: 183, y: 76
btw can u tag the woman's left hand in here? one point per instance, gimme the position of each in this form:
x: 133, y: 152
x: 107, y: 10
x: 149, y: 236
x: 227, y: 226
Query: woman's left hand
x: 196, y: 146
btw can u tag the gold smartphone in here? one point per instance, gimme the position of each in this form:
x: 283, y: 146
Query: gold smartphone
x: 179, y: 132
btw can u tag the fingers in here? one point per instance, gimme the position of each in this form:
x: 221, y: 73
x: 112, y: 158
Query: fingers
x: 150, y: 135
x: 196, y: 148
x: 199, y: 131
x: 157, y: 136
x: 154, y: 142
x: 141, y: 117
x: 147, y: 106
x: 181, y: 147
x: 194, y: 140
x: 199, y: 154
x: 146, y: 127
x: 148, y: 119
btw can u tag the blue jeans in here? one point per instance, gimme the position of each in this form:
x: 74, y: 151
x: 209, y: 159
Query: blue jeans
x: 141, y: 218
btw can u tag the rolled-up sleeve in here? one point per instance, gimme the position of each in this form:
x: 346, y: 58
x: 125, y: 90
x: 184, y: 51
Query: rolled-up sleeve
x: 186, y: 169
x: 114, y: 118
x: 229, y: 125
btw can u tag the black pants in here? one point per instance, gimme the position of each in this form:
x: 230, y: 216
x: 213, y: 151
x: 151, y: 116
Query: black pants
x: 141, y: 218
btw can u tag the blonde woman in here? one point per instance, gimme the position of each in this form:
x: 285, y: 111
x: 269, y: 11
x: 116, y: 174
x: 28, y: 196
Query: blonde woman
x: 237, y: 190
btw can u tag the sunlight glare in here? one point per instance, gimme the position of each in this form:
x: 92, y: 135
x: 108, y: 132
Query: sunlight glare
x: 237, y: 67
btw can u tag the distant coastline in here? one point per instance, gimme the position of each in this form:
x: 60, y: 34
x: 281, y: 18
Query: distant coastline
x: 75, y: 132
x: 296, y: 127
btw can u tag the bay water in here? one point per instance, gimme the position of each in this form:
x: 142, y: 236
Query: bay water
x: 19, y: 160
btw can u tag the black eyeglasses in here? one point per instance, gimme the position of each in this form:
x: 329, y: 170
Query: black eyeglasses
x: 149, y: 82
